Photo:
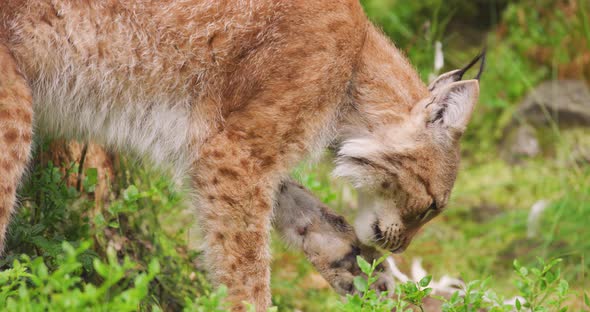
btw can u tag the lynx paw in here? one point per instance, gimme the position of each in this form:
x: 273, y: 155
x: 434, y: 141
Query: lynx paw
x: 341, y: 273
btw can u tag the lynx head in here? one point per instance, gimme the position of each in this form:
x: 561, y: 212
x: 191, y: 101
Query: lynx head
x: 409, y: 169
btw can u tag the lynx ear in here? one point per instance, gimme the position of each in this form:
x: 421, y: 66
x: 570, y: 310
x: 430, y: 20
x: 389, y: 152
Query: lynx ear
x: 452, y: 106
x: 445, y: 79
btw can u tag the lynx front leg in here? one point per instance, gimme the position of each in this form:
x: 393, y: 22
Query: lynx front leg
x: 235, y: 210
x: 237, y: 175
x: 16, y: 112
x: 326, y: 239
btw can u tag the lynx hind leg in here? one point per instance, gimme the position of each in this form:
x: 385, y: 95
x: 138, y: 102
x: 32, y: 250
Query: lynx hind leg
x: 16, y: 113
x: 325, y: 238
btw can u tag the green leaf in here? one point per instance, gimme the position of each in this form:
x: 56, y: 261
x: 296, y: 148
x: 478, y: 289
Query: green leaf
x: 516, y: 264
x: 550, y: 277
x: 410, y: 288
x: 99, y: 219
x: 131, y: 194
x: 454, y: 298
x: 554, y: 262
x: 360, y: 283
x: 586, y: 299
x: 543, y: 285
x: 563, y: 287
x: 69, y: 250
x: 364, y: 265
x: 425, y: 281
x: 517, y: 304
x: 90, y: 179
x: 354, y: 300
x: 100, y: 268
x: 154, y: 266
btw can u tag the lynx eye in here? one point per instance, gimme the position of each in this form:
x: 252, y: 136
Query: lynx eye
x: 433, y: 206
x: 423, y: 216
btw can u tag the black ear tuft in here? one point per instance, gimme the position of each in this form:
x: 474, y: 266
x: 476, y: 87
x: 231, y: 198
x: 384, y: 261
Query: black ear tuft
x: 457, y: 74
x: 482, y: 65
x: 481, y: 56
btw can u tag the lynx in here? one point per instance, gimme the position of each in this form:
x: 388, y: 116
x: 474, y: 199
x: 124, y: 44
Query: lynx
x: 231, y: 95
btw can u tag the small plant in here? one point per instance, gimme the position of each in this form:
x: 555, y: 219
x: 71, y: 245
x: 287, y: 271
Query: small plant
x: 542, y: 287
x: 475, y: 297
x: 30, y: 286
x: 209, y: 302
x: 368, y: 299
x: 414, y: 293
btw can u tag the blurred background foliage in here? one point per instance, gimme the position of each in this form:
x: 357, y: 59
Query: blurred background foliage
x: 484, y: 229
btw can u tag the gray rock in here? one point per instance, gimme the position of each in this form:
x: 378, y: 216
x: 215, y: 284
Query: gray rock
x: 565, y: 102
x: 560, y: 103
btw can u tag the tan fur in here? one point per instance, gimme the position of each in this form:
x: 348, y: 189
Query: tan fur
x: 233, y: 94
x: 16, y: 113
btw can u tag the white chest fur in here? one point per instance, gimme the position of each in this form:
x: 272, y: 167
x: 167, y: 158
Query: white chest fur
x: 156, y: 128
